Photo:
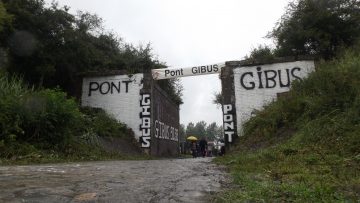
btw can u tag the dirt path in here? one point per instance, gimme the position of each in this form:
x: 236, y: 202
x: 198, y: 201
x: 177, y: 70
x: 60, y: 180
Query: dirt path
x: 177, y: 180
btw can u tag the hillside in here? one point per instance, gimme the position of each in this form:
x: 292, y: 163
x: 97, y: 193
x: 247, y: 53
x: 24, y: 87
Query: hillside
x: 305, y: 147
x: 39, y: 126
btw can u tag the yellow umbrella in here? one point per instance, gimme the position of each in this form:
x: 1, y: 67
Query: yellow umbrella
x: 192, y: 138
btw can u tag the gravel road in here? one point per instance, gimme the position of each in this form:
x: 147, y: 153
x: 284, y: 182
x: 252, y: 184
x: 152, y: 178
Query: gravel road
x: 175, y: 180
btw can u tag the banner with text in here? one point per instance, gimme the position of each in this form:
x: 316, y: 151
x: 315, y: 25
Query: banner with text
x: 167, y: 73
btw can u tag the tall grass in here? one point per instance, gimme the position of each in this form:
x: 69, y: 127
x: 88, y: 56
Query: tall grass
x: 46, y: 125
x: 305, y: 147
x: 12, y: 86
x: 12, y: 91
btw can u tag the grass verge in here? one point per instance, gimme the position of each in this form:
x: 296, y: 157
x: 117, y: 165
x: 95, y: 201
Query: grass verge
x: 305, y: 147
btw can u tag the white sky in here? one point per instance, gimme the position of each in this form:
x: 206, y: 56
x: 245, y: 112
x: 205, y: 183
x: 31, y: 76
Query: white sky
x: 187, y: 33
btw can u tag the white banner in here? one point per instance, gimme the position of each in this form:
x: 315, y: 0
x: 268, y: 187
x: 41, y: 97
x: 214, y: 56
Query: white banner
x: 168, y: 73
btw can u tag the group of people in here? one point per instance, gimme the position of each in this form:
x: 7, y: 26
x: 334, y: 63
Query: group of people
x: 199, y: 149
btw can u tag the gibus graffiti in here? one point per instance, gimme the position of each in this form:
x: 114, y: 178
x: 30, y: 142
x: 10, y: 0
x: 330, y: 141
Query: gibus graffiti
x: 145, y: 116
x: 163, y: 131
x: 256, y: 86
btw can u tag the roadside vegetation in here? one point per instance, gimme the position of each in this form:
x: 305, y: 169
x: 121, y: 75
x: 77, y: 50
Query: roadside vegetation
x: 45, y: 125
x: 43, y: 50
x: 305, y: 147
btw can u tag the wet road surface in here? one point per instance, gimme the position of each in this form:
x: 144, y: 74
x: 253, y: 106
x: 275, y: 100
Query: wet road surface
x: 176, y: 180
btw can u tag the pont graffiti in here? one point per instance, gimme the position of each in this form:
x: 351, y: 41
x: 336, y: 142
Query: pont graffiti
x: 107, y: 87
x: 164, y: 131
x: 229, y: 129
x: 145, y: 116
x: 269, y: 78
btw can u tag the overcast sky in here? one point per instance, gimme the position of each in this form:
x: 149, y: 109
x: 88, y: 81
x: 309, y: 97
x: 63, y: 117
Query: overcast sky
x: 187, y: 33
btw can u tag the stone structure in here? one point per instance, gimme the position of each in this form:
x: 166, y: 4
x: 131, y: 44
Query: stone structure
x: 166, y: 124
x: 249, y: 86
x: 140, y: 103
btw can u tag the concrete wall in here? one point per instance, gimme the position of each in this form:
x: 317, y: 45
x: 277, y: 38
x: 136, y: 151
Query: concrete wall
x: 118, y: 95
x: 141, y: 104
x: 165, y: 122
x: 256, y: 86
x: 228, y: 108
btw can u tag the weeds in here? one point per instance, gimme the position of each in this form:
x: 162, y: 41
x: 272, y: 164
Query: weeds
x: 319, y: 159
x: 39, y: 126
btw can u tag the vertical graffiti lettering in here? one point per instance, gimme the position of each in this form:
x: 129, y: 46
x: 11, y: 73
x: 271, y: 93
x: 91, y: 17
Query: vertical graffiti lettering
x: 145, y: 126
x: 228, y: 122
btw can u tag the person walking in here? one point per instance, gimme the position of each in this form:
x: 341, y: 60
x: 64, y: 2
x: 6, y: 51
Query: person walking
x: 193, y: 149
x: 203, y: 146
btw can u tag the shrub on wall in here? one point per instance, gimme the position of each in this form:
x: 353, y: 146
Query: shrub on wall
x: 50, y: 119
x: 46, y: 117
x: 103, y: 124
x: 35, y: 123
x: 331, y: 94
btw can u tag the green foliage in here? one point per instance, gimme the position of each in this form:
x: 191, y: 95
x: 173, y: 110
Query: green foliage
x: 218, y: 99
x: 51, y: 47
x: 182, y: 133
x: 332, y: 90
x: 103, y: 125
x: 318, y: 27
x: 202, y: 129
x: 174, y: 89
x: 212, y: 131
x: 49, y: 118
x: 45, y: 126
x: 11, y: 93
x: 45, y: 116
x: 262, y: 54
x: 304, y: 147
x: 5, y: 18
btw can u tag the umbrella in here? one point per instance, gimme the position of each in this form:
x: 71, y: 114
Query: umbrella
x: 192, y: 138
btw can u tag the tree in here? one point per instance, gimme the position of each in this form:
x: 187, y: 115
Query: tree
x: 5, y: 18
x: 190, y: 129
x: 182, y: 133
x: 262, y: 53
x: 220, y: 132
x: 5, y: 22
x: 317, y: 27
x: 200, y: 128
x: 218, y: 99
x: 211, y: 131
x: 51, y: 47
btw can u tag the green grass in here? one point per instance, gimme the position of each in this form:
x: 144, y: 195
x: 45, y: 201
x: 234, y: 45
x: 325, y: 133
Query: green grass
x: 46, y: 126
x: 291, y: 174
x: 306, y: 147
x: 29, y: 154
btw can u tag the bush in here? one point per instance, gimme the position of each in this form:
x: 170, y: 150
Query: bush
x: 319, y: 159
x: 45, y: 118
x: 331, y: 93
x: 104, y: 125
x: 12, y: 92
x: 50, y: 118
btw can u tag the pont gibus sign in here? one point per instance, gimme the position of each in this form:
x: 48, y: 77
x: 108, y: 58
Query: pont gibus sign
x: 168, y: 73
x: 154, y: 120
